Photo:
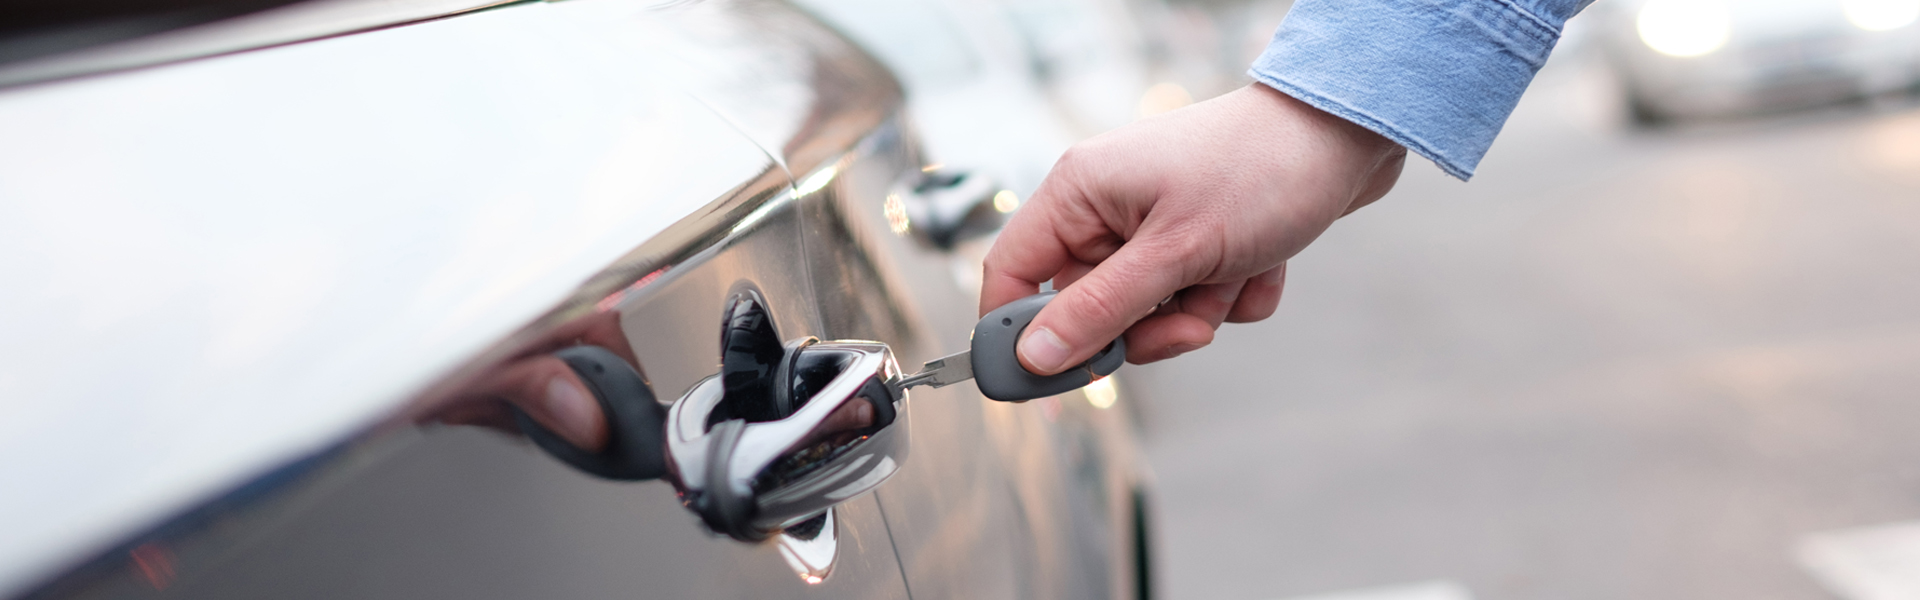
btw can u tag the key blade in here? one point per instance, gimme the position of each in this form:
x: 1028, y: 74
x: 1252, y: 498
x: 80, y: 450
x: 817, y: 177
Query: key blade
x: 952, y: 369
x: 942, y: 372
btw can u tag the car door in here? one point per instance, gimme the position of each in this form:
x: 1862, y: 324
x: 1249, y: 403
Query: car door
x: 1037, y: 500
x: 999, y: 500
x: 268, y: 290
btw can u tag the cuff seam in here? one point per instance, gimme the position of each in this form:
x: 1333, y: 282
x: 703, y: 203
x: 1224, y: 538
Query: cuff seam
x: 1362, y: 119
x: 1548, y: 31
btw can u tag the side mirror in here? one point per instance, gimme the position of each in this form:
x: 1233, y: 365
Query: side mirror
x: 944, y: 208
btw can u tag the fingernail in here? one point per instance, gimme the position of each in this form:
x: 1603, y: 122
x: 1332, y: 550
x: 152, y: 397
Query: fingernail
x: 1044, y: 350
x: 1179, y: 349
x: 572, y: 409
x: 1227, y: 294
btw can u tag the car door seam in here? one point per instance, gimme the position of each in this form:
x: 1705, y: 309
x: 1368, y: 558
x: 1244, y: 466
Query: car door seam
x: 898, y: 561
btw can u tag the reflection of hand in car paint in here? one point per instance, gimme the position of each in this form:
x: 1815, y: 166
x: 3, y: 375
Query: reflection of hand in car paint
x: 843, y: 427
x: 543, y: 386
x: 849, y: 417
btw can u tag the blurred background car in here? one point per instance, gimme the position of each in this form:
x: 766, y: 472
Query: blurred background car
x: 1695, y: 58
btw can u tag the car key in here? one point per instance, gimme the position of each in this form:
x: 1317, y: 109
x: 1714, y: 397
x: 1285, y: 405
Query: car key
x: 993, y: 364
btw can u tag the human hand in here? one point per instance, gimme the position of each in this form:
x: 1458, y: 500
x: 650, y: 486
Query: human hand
x: 1200, y: 207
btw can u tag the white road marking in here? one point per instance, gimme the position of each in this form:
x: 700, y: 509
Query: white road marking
x: 1881, y: 562
x: 1428, y: 590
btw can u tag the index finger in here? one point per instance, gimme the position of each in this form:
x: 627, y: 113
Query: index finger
x: 1040, y: 242
x: 1026, y: 254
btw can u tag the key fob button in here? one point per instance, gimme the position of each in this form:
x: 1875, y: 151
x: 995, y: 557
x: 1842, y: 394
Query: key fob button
x: 996, y: 364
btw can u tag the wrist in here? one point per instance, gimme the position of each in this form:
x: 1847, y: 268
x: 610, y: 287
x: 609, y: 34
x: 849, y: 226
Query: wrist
x: 1361, y: 162
x: 1334, y: 128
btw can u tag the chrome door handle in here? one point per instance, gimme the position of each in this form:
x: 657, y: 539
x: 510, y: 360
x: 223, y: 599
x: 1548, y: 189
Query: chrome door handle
x: 846, y: 434
x: 782, y: 434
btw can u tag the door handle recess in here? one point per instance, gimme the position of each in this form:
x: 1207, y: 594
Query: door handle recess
x: 846, y: 434
x: 771, y: 443
x: 635, y: 420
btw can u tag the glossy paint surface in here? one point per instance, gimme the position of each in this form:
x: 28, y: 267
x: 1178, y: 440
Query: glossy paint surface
x: 318, y: 253
x: 224, y: 264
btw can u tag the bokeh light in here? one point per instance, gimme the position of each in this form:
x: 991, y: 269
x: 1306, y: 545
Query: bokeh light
x: 1881, y: 15
x: 1684, y: 27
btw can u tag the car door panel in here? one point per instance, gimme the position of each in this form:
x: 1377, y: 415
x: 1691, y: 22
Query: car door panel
x: 223, y: 265
x: 949, y: 506
x: 987, y: 508
x: 629, y: 169
x: 462, y: 513
x: 419, y: 504
x: 1000, y: 501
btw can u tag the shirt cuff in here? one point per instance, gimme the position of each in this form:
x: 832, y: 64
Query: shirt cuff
x: 1437, y: 76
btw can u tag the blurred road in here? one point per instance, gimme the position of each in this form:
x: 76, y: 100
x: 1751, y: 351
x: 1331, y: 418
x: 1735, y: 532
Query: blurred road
x: 1616, y: 365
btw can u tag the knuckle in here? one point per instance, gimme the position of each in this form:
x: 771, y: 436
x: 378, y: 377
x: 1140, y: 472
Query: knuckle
x: 1195, y: 233
x: 1075, y: 155
x: 1081, y: 162
x: 1248, y: 317
x: 1249, y: 312
x: 995, y: 262
x: 1099, y: 304
x: 1193, y: 250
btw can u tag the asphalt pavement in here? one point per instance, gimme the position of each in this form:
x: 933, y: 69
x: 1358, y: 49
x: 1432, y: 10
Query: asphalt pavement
x: 1616, y: 365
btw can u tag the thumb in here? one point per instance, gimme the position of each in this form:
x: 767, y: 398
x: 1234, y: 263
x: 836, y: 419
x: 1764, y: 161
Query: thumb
x: 1093, y: 311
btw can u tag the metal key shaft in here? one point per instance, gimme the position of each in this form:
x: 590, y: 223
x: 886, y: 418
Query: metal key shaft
x: 1000, y: 376
x: 942, y: 372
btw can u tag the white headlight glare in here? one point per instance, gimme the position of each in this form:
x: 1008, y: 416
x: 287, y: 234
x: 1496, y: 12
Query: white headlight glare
x: 1684, y: 27
x: 1881, y: 15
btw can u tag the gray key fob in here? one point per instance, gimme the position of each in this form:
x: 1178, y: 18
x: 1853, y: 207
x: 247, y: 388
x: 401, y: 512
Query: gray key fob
x: 996, y: 367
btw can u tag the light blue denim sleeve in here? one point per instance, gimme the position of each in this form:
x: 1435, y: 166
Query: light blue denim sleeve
x: 1437, y: 76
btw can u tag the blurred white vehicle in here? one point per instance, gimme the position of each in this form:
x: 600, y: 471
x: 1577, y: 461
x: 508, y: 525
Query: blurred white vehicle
x: 1691, y: 58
